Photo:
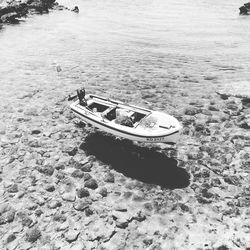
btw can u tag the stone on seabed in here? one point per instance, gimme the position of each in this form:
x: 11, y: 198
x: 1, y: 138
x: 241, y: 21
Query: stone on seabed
x: 82, y: 192
x: 71, y: 235
x: 69, y: 197
x: 33, y: 234
x: 91, y: 183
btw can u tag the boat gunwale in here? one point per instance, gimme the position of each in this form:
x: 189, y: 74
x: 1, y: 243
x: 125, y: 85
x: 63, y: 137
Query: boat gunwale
x: 112, y: 127
x: 119, y: 102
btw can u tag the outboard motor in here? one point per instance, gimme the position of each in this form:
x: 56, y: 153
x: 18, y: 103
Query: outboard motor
x: 81, y: 97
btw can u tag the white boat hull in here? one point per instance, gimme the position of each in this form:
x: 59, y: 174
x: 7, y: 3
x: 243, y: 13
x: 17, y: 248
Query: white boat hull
x: 162, y: 134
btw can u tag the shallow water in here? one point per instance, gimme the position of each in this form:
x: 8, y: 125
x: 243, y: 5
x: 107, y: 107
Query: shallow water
x: 154, y: 52
x: 161, y: 54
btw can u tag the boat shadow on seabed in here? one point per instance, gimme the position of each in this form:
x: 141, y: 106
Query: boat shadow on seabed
x: 141, y: 163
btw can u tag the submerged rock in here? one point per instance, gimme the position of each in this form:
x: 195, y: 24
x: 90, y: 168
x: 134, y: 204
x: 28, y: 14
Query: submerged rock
x: 192, y: 111
x: 82, y: 192
x: 91, y: 183
x: 109, y: 178
x: 103, y: 192
x: 7, y: 217
x: 68, y: 197
x: 11, y: 12
x: 245, y: 9
x: 54, y: 204
x: 47, y: 170
x: 33, y: 234
x: 13, y: 188
x: 10, y: 238
x: 71, y: 235
x: 77, y: 173
x: 81, y: 205
x: 76, y: 9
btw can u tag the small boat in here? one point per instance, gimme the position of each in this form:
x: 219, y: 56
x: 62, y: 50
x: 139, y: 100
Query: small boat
x: 124, y: 120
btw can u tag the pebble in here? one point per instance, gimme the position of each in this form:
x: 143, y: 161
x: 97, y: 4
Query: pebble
x: 68, y: 197
x: 71, y: 235
x: 109, y: 178
x: 120, y: 208
x: 58, y: 244
x: 38, y: 212
x: 59, y: 217
x: 148, y: 241
x: 59, y: 166
x: 38, y: 199
x: 10, y: 238
x: 213, y: 108
x: 33, y: 234
x: 86, y: 167
x: 26, y: 246
x: 81, y: 205
x: 54, y: 204
x: 82, y: 192
x: 4, y: 207
x: 139, y: 216
x: 127, y: 194
x: 75, y: 9
x: 13, y: 188
x: 89, y: 211
x: 49, y: 187
x: 63, y: 226
x: 71, y: 150
x: 103, y: 192
x: 7, y: 217
x: 78, y: 246
x: 26, y: 221
x: 233, y: 180
x: 77, y: 173
x: 192, y: 111
x: 148, y: 206
x: 31, y: 112
x: 87, y: 176
x: 35, y: 132
x: 91, y: 183
x: 47, y: 170
x: 34, y: 143
x: 58, y: 68
x: 32, y: 205
x: 139, y: 196
x: 122, y: 219
x: 60, y: 175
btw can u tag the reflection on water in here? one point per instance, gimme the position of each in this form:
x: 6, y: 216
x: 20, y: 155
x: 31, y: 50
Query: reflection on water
x: 168, y: 50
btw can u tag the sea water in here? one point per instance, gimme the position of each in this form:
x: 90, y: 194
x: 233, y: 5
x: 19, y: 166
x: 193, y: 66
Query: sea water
x: 150, y: 52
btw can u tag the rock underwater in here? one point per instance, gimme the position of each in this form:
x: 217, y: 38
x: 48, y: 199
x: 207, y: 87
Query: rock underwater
x: 12, y: 11
x: 245, y: 9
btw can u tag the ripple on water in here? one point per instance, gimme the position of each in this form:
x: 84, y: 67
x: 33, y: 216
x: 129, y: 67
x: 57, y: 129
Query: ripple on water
x: 124, y: 48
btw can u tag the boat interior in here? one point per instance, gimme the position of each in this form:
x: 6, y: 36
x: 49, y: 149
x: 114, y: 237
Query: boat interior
x: 110, y: 112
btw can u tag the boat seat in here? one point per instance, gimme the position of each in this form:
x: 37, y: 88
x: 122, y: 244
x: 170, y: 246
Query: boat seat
x: 109, y: 113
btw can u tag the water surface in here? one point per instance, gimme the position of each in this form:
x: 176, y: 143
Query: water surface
x: 153, y: 52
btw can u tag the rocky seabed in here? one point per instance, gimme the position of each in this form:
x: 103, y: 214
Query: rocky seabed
x: 65, y: 185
